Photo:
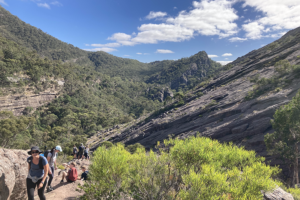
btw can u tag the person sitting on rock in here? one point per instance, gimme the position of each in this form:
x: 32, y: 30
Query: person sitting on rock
x: 72, y: 175
x: 51, y: 158
x: 84, y: 174
x: 37, y: 173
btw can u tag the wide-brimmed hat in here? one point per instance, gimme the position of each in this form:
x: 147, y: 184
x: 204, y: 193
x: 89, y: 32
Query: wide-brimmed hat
x: 35, y: 148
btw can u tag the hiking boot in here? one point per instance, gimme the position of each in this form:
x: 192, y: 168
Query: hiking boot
x: 49, y: 189
x: 62, y: 181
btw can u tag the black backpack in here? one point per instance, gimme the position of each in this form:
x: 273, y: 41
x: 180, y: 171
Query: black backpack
x: 40, y: 162
x: 46, y: 153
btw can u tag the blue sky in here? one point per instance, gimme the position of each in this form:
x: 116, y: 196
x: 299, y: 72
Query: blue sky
x: 162, y: 29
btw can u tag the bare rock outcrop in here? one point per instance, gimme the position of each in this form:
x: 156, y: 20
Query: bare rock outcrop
x: 278, y: 194
x: 224, y: 112
x: 13, y: 173
x: 17, y: 104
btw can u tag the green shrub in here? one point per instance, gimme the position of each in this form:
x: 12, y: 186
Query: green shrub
x: 212, y: 103
x: 107, y: 144
x: 195, y: 168
x: 132, y: 148
x: 199, y: 94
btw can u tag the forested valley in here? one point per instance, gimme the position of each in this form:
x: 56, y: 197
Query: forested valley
x: 99, y: 90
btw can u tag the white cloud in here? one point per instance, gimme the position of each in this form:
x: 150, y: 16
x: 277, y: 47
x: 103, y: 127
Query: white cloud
x: 237, y: 39
x: 126, y: 55
x: 105, y: 45
x: 3, y: 2
x: 205, y: 18
x: 163, y: 51
x: 254, y: 30
x: 154, y: 33
x: 213, y: 56
x: 56, y: 3
x: 224, y: 62
x: 139, y: 53
x: 153, y: 15
x: 122, y: 38
x: 175, y: 8
x: 277, y: 16
x: 106, y: 49
x: 44, y: 5
x: 227, y: 54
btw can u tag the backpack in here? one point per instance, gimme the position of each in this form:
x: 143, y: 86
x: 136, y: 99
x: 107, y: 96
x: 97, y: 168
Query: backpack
x: 47, y: 152
x: 86, y: 151
x: 72, y: 175
x: 40, y: 162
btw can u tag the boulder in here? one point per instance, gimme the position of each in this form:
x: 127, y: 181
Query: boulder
x: 13, y: 173
x: 278, y: 194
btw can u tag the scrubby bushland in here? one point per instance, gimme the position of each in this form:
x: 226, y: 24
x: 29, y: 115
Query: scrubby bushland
x: 285, y: 140
x: 195, y: 168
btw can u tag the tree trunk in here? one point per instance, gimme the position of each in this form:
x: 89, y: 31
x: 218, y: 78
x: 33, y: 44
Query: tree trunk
x: 296, y: 176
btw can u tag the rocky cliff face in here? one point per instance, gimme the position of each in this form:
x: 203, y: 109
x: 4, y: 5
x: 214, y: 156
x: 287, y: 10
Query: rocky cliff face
x: 223, y: 112
x: 13, y: 173
x: 18, y: 103
x: 186, y: 71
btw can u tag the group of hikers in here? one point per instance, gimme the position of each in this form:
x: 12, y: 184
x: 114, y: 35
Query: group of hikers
x: 41, y: 165
x: 82, y: 152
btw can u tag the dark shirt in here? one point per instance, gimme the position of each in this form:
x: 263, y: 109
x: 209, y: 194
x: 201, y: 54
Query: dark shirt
x: 84, y: 175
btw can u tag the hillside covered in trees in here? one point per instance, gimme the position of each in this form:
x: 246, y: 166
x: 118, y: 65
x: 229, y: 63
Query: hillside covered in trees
x: 93, y: 90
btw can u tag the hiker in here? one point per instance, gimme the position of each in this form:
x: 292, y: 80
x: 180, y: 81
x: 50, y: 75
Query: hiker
x: 37, y: 173
x: 71, y: 176
x: 86, y: 152
x: 81, y: 148
x: 84, y: 174
x: 75, y: 150
x: 51, y: 158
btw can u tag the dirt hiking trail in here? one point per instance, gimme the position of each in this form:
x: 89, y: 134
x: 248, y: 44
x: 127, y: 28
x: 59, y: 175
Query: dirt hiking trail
x: 65, y: 191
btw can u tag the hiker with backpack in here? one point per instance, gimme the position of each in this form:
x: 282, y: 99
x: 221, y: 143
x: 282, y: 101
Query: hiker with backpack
x: 75, y: 150
x: 37, y: 173
x: 86, y: 152
x: 72, y: 175
x: 51, y: 156
x: 80, y: 153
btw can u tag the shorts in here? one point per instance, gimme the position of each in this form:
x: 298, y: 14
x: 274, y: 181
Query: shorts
x: 68, y: 180
x: 85, y: 155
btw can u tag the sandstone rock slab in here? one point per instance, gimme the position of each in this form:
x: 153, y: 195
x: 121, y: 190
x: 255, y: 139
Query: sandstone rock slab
x: 13, y: 173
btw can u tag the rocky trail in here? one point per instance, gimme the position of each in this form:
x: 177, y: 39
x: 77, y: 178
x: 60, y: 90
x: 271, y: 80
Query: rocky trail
x: 65, y: 191
x: 14, y: 171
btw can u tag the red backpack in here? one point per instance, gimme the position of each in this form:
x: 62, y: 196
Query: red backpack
x: 72, y: 176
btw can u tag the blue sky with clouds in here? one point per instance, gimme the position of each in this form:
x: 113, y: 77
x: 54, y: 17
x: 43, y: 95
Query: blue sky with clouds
x: 162, y: 29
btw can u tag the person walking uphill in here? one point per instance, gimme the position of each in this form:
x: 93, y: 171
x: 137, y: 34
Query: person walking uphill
x: 37, y: 173
x: 80, y: 153
x: 51, y: 158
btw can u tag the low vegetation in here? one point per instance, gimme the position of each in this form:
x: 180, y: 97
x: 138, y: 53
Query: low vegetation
x: 285, y: 140
x: 195, y: 168
x: 284, y: 71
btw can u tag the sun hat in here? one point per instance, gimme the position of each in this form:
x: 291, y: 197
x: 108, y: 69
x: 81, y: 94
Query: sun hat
x: 58, y: 148
x: 34, y: 148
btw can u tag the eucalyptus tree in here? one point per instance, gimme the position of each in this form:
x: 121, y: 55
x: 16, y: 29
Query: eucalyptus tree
x: 286, y: 137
